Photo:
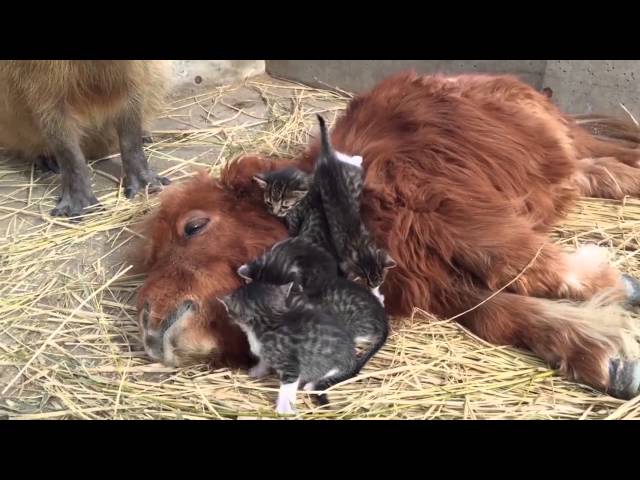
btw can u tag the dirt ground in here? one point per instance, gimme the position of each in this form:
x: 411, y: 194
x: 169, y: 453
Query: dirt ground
x: 69, y: 345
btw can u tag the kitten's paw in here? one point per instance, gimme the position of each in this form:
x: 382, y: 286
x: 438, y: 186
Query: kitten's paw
x: 259, y: 371
x: 285, y: 409
x: 287, y: 398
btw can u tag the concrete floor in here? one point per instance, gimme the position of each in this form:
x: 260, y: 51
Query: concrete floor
x: 49, y: 267
x: 68, y: 337
x: 67, y: 331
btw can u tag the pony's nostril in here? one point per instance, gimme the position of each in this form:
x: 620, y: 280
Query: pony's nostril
x: 185, y: 307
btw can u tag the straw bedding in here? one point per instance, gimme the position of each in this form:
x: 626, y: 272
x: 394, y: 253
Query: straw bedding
x: 69, y: 345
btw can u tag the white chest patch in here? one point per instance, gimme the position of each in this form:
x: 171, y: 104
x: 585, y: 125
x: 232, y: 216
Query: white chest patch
x: 356, y: 160
x: 254, y: 345
x: 378, y: 295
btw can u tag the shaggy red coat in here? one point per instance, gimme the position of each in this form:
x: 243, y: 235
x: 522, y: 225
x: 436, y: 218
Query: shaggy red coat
x: 464, y: 179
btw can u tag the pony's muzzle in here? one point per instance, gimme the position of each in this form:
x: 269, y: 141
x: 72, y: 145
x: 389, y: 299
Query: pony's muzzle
x: 160, y: 342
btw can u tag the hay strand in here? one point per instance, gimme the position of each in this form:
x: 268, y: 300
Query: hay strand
x: 69, y: 345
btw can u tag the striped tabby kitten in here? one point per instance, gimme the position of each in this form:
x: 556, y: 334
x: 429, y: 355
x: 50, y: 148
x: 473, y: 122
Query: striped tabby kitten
x: 299, y: 261
x: 360, y: 259
x: 304, y: 345
x: 290, y: 193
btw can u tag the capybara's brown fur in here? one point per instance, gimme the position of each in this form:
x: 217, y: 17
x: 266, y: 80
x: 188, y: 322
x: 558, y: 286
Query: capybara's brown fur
x: 62, y: 112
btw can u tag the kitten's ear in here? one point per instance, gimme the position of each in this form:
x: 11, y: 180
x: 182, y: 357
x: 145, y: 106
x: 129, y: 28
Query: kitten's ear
x: 353, y: 277
x: 292, y: 287
x: 297, y: 194
x: 260, y: 180
x: 387, y: 261
x: 224, y: 301
x: 244, y: 272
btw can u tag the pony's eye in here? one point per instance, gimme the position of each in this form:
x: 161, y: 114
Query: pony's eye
x: 195, y: 226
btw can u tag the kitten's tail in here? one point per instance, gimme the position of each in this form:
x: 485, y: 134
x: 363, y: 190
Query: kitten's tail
x: 326, y: 150
x: 322, y: 398
x: 332, y: 186
x: 375, y: 346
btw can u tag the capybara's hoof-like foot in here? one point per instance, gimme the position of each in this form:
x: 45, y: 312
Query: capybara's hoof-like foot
x: 75, y: 206
x: 624, y: 378
x: 147, y: 137
x: 47, y: 164
x: 632, y: 287
x: 136, y: 182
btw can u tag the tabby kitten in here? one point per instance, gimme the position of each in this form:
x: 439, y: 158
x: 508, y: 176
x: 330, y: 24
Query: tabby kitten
x: 304, y: 345
x: 293, y: 260
x: 296, y: 260
x: 360, y: 259
x: 290, y: 193
x: 283, y: 189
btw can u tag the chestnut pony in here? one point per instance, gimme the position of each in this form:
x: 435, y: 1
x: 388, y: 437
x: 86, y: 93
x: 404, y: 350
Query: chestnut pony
x: 464, y: 179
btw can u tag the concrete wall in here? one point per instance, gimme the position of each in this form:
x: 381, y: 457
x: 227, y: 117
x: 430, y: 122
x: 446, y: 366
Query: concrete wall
x: 193, y: 76
x: 586, y: 86
x: 579, y: 86
x: 358, y: 75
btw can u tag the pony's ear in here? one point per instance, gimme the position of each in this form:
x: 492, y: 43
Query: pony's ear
x: 244, y: 272
x: 387, y: 261
x: 260, y: 180
x: 238, y: 174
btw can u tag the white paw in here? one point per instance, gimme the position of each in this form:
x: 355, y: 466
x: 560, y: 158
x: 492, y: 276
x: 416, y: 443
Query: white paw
x: 285, y: 408
x: 286, y: 398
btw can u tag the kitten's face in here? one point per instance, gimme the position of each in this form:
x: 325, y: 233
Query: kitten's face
x: 370, y: 267
x: 283, y: 189
x: 252, y: 301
